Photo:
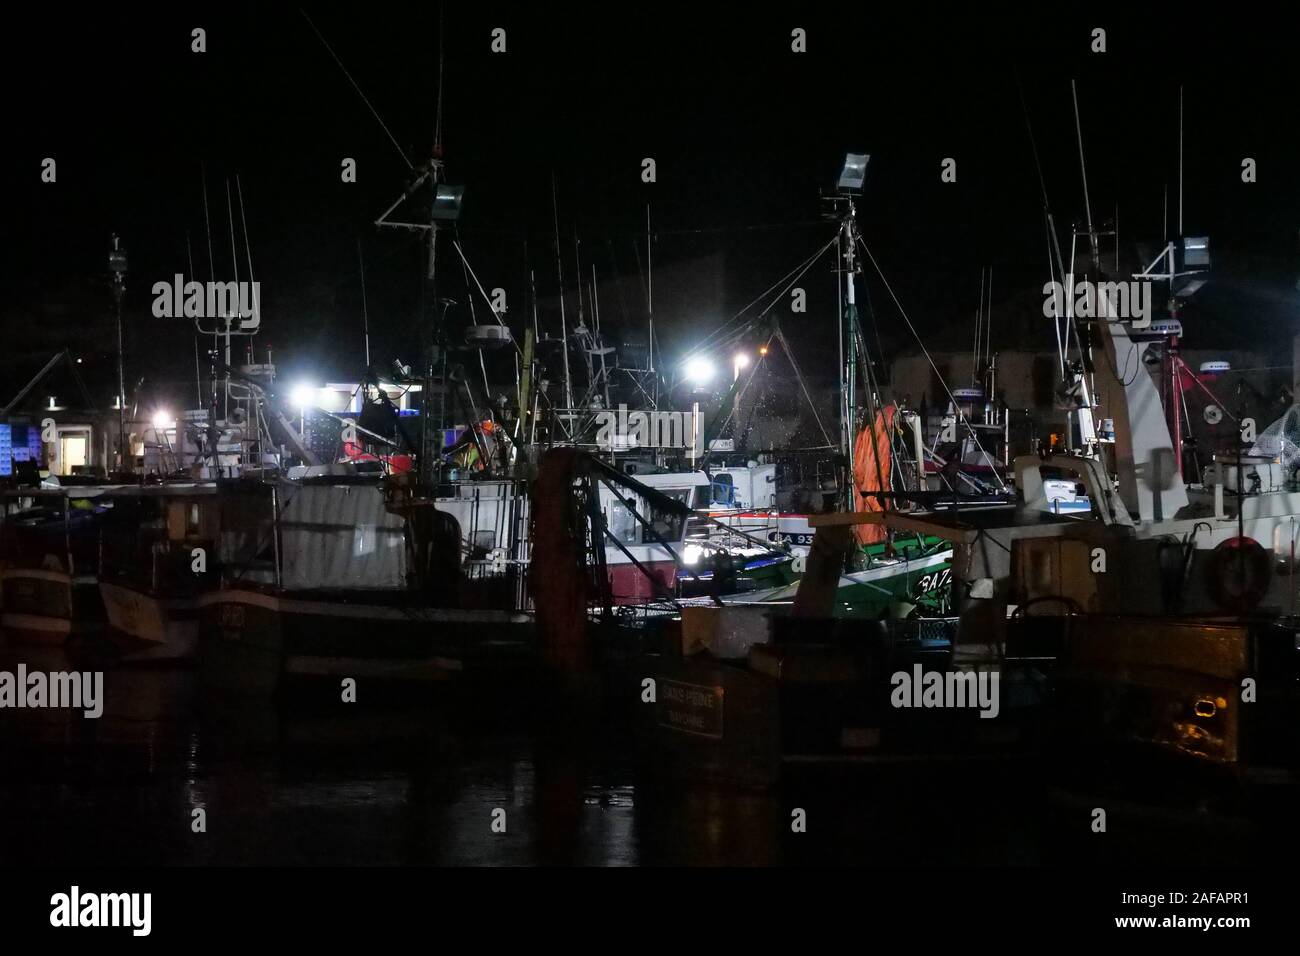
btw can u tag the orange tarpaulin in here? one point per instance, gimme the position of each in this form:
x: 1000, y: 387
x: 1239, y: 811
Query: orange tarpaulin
x: 871, y: 471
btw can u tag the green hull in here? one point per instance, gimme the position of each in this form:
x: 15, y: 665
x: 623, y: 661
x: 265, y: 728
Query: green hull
x: 918, y: 572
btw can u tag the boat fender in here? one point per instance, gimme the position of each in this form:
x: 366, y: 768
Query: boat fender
x: 1237, y: 574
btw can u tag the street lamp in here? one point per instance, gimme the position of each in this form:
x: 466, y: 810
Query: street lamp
x: 740, y: 361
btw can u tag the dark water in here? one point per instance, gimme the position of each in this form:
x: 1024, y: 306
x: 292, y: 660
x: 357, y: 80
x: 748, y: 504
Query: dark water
x: 311, y: 780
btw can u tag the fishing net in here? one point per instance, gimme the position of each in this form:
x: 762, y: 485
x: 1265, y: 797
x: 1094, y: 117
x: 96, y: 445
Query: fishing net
x: 1281, y: 440
x: 871, y: 472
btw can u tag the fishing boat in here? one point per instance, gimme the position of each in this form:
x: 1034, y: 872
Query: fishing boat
x: 158, y: 555
x: 908, y: 571
x: 341, y: 575
x: 49, y: 540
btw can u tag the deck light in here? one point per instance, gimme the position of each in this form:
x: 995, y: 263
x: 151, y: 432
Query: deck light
x: 302, y: 396
x: 699, y: 371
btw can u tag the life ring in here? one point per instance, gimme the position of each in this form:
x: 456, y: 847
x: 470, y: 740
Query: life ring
x: 1237, y: 574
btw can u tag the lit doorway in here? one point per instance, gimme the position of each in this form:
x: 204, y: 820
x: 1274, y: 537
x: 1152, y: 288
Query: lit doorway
x: 74, y: 450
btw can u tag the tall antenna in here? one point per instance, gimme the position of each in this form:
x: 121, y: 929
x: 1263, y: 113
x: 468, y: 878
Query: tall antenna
x: 207, y: 221
x: 198, y: 372
x: 532, y: 286
x: 1180, y: 160
x: 559, y: 270
x: 988, y: 322
x: 437, y: 123
x: 365, y: 312
x: 577, y: 269
x: 1053, y: 241
x: 1117, y: 237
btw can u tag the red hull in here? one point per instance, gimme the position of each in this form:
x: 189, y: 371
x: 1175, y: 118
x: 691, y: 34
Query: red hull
x: 630, y: 585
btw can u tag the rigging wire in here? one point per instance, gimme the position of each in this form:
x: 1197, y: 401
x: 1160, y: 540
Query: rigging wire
x: 799, y: 376
x: 248, y: 252
x: 373, y: 112
x: 924, y: 350
x: 455, y: 244
x: 473, y: 317
x: 721, y: 335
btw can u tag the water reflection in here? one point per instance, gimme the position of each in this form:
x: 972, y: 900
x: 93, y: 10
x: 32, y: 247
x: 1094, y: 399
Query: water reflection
x: 310, y: 780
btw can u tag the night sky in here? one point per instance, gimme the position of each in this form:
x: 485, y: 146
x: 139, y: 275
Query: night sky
x: 744, y: 132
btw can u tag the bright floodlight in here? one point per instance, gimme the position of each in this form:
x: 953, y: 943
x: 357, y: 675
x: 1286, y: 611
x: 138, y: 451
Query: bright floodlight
x: 447, y: 201
x: 742, y: 360
x: 162, y: 420
x: 699, y: 370
x: 854, y: 172
x: 302, y: 396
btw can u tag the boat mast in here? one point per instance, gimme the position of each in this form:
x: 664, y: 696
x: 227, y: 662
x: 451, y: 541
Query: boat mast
x: 431, y: 285
x: 852, y: 175
x: 650, y: 309
x: 849, y: 322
